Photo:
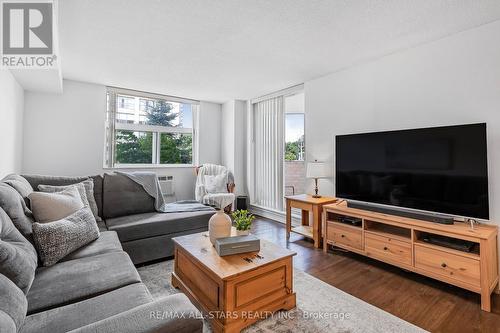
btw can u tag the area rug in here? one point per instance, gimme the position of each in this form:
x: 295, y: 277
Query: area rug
x: 320, y: 307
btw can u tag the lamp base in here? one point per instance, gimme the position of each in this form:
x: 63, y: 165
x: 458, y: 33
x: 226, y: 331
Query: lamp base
x: 316, y: 195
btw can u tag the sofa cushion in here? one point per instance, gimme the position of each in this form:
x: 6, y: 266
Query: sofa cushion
x: 146, y: 225
x: 107, y: 242
x: 19, y: 183
x: 18, y: 258
x: 75, y: 280
x: 36, y: 180
x: 122, y: 196
x: 13, y: 305
x: 15, y: 206
x: 174, y: 313
x: 48, y: 207
x: 55, y: 240
x: 69, y: 317
x: 98, y: 183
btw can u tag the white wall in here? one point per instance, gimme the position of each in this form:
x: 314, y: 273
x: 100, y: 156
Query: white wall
x: 455, y: 80
x: 64, y: 135
x: 233, y: 142
x: 11, y: 124
x: 227, y: 139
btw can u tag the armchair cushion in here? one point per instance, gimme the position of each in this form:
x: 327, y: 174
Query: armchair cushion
x: 219, y: 200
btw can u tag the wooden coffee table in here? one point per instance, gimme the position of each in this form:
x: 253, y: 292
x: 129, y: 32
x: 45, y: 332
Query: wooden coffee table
x: 233, y: 291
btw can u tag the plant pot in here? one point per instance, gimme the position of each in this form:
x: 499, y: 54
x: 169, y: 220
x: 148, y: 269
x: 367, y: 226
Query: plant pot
x: 242, y: 232
x: 219, y: 226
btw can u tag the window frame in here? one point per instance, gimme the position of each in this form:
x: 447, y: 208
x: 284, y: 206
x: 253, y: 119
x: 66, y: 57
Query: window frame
x: 112, y: 125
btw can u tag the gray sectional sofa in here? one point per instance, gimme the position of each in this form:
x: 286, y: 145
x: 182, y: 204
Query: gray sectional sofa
x: 97, y: 287
x: 126, y: 208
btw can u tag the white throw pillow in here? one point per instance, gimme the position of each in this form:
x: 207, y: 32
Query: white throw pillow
x: 47, y: 207
x: 216, y: 184
x: 86, y: 190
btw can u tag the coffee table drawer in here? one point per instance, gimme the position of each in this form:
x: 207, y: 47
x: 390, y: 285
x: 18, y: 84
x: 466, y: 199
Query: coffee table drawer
x: 448, y: 265
x: 344, y: 235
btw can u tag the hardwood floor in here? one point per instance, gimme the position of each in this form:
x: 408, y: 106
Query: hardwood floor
x: 427, y: 303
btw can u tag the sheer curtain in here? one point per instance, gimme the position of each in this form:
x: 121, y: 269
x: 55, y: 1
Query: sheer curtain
x: 269, y: 141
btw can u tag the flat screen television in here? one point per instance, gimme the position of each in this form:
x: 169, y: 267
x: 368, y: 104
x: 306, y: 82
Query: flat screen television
x: 440, y: 170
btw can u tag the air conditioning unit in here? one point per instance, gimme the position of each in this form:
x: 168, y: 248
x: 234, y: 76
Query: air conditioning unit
x: 167, y: 185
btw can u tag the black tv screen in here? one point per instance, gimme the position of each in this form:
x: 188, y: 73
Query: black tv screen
x: 440, y: 169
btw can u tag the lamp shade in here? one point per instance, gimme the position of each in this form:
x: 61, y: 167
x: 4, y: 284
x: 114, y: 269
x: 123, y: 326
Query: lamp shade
x: 318, y: 170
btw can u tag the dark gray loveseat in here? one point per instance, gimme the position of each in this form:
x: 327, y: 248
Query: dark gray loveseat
x: 96, y: 288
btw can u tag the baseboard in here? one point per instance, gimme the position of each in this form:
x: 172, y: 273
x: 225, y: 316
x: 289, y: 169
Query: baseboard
x: 272, y: 214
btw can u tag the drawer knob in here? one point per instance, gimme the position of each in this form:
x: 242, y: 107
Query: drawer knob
x: 342, y: 236
x: 385, y: 248
x: 443, y: 265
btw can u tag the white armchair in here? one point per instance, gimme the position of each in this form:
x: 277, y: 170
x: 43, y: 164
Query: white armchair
x: 215, y: 186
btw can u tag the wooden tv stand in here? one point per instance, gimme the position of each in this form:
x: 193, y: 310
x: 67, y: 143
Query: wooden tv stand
x: 398, y: 241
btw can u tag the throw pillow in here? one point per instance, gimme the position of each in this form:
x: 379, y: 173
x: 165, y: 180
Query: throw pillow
x: 18, y: 258
x: 20, y: 184
x: 88, y: 187
x: 55, y: 240
x: 216, y: 184
x: 47, y: 207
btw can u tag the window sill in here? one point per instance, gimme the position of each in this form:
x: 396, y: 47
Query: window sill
x: 149, y: 166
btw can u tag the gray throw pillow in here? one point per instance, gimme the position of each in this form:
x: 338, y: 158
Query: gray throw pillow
x: 15, y: 206
x: 18, y: 258
x: 88, y: 186
x: 55, y: 240
x: 20, y: 184
x: 47, y: 207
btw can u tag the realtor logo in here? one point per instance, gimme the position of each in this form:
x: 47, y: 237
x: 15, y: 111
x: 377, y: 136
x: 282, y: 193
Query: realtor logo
x: 27, y: 29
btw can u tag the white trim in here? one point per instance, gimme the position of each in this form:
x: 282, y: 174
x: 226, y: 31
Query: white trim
x: 152, y: 128
x: 149, y: 166
x: 272, y: 214
x: 138, y: 93
x: 284, y: 92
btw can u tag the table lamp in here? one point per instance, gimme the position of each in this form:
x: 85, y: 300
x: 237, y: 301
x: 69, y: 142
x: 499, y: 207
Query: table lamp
x: 318, y: 170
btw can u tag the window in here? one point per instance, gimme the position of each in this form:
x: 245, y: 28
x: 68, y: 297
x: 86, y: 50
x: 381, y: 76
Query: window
x: 144, y: 129
x: 294, y: 141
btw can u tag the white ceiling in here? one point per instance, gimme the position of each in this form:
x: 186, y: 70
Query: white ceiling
x: 217, y: 50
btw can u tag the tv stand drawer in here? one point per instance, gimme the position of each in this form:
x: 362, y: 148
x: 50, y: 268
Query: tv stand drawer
x: 388, y: 249
x: 450, y: 266
x: 345, y: 235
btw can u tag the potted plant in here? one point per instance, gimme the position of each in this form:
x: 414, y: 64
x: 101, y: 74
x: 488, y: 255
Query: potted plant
x: 243, y: 221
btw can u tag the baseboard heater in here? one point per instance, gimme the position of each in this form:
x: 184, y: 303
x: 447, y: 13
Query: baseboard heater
x: 442, y: 219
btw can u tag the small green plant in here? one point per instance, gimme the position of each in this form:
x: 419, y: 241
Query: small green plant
x: 242, y: 219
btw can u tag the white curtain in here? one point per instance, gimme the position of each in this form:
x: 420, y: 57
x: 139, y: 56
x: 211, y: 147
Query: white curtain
x: 269, y: 142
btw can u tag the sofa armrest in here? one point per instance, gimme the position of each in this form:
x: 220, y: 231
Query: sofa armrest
x: 173, y: 313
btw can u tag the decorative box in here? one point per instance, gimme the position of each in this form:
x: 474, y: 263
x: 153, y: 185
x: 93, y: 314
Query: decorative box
x: 239, y: 244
